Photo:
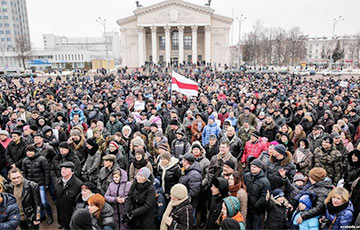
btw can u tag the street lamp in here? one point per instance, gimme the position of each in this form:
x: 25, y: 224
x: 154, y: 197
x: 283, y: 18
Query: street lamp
x: 336, y: 21
x: 240, y: 20
x: 102, y: 21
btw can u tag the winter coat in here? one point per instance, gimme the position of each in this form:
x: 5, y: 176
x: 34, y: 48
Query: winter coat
x: 105, y: 178
x: 141, y: 204
x: 304, y: 160
x: 321, y: 189
x: 309, y: 224
x: 216, y: 205
x: 37, y: 169
x: 187, y: 123
x: 80, y: 150
x: 355, y: 196
x: 9, y: 212
x: 251, y: 118
x: 15, y: 153
x: 91, y: 166
x: 315, y: 141
x: 269, y: 130
x: 211, y: 150
x: 264, y: 158
x: 133, y: 171
x: 30, y: 200
x: 216, y: 167
x: 327, y: 123
x: 296, y: 138
x: 331, y: 161
x: 253, y: 149
x: 272, y: 170
x: 244, y: 134
x: 47, y: 151
x: 196, y: 134
x: 106, y: 218
x: 204, y: 164
x: 55, y: 170
x: 66, y: 199
x: 169, y: 175
x: 182, y: 216
x: 179, y: 147
x: 343, y: 218
x: 352, y: 171
x: 191, y: 178
x: 277, y: 214
x: 236, y: 145
x: 279, y: 120
x: 208, y: 130
x: 114, y: 127
x: 257, y: 187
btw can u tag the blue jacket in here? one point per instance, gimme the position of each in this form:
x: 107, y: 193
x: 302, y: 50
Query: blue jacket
x: 343, y: 218
x: 81, y: 115
x: 208, y: 130
x: 309, y: 224
x: 9, y: 212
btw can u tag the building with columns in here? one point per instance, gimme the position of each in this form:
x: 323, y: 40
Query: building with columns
x: 174, y: 31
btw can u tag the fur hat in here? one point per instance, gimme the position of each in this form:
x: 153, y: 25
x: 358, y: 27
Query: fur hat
x: 137, y: 141
x: 317, y: 174
x: 179, y: 191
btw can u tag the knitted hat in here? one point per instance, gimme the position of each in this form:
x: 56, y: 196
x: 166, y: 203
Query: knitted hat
x: 255, y: 134
x: 233, y: 205
x: 97, y: 200
x: 274, y: 143
x: 212, y: 137
x: 189, y: 157
x: 26, y: 127
x: 166, y: 155
x: 91, y: 141
x: 114, y: 143
x: 81, y: 220
x: 229, y: 224
x: 278, y: 193
x: 33, y: 127
x: 140, y: 151
x: 30, y: 148
x: 147, y: 123
x: 137, y: 141
x: 154, y: 125
x: 4, y: 132
x: 211, y: 117
x: 280, y: 149
x: 75, y: 132
x: 230, y: 163
x: 306, y: 200
x: 144, y: 172
x: 174, y: 122
x: 222, y: 184
x: 179, y: 191
x: 257, y: 163
x: 64, y: 145
x: 89, y: 186
x: 317, y: 174
x: 163, y: 146
x: 196, y: 145
x: 299, y: 177
x: 109, y: 157
x: 180, y: 132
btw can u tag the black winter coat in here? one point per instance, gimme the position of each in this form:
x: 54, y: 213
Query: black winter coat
x: 55, y: 170
x: 171, y: 176
x: 66, y: 199
x: 192, y: 180
x: 15, y: 153
x: 9, y: 212
x: 37, y: 169
x: 257, y: 187
x: 215, y: 211
x: 352, y: 171
x: 236, y: 146
x: 141, y: 204
x: 30, y: 200
x: 182, y: 216
x: 277, y: 214
x: 210, y: 152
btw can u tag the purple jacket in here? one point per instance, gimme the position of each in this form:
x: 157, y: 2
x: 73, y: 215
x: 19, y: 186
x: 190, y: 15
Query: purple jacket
x: 118, y: 190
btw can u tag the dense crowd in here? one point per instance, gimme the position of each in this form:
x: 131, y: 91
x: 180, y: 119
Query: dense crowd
x: 123, y: 151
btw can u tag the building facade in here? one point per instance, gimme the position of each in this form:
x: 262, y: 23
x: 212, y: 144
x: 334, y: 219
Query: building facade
x: 174, y: 31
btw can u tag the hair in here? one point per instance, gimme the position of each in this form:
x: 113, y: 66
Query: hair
x: 225, y: 142
x: 14, y: 170
x: 2, y: 186
x: 98, y: 201
x: 239, y: 179
x: 117, y: 172
x: 344, y: 193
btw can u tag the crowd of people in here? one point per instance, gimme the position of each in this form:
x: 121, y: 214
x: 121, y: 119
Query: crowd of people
x: 123, y: 151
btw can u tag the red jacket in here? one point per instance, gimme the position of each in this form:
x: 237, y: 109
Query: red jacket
x: 254, y: 149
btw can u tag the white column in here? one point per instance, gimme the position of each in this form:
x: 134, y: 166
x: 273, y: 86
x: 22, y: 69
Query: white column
x: 123, y: 47
x: 167, y: 44
x: 144, y: 46
x: 141, y: 45
x: 181, y: 44
x: 154, y: 44
x: 207, y: 44
x: 194, y: 43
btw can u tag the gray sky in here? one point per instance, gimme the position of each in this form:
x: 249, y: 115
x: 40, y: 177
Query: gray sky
x: 76, y: 18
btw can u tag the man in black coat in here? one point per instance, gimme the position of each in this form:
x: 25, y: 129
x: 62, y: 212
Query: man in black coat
x: 257, y: 186
x: 67, y: 189
x: 236, y: 145
x: 15, y: 152
x: 27, y: 197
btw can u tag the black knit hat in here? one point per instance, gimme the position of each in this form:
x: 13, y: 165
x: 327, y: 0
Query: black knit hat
x: 230, y: 163
x: 81, y: 220
x: 222, y: 184
x: 154, y: 125
x: 90, y: 186
x: 229, y: 224
x: 64, y: 145
x: 174, y: 122
x: 30, y: 148
x: 91, y: 141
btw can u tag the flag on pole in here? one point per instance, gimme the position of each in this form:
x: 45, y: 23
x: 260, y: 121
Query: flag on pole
x: 184, y: 85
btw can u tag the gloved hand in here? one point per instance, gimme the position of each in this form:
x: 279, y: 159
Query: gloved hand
x: 127, y: 217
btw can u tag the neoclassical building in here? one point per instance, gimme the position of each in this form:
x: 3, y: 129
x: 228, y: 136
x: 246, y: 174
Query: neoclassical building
x: 174, y: 31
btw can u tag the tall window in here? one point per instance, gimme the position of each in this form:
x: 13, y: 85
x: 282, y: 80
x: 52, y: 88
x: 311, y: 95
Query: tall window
x: 187, y: 42
x: 162, y: 42
x: 175, y: 40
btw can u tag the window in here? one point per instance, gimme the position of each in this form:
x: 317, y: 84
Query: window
x: 4, y: 10
x: 6, y: 24
x: 189, y: 58
x: 161, y: 58
x: 3, y: 2
x: 8, y: 32
x: 162, y: 42
x: 187, y: 42
x: 175, y: 40
x: 8, y: 39
x: 6, y: 17
x: 1, y: 32
x: 199, y: 57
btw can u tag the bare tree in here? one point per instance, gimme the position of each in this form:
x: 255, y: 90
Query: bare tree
x: 280, y: 39
x: 297, y: 46
x: 22, y: 48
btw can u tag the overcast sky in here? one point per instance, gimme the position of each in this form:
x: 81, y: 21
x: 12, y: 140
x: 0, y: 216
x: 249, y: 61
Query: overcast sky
x: 76, y: 18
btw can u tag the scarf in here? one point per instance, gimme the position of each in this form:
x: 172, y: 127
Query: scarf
x: 92, y: 151
x: 168, y: 210
x: 199, y: 126
x: 233, y: 190
x: 335, y: 210
x: 141, y: 163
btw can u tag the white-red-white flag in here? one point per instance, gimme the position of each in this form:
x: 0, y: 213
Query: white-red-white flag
x: 184, y: 85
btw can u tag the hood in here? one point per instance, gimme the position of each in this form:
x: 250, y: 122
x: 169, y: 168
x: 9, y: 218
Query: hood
x: 325, y: 183
x: 357, y: 153
x: 203, y: 151
x: 195, y: 166
x: 213, y: 125
x: 284, y: 161
x: 124, y: 176
x: 8, y: 200
x: 173, y: 161
x: 45, y: 129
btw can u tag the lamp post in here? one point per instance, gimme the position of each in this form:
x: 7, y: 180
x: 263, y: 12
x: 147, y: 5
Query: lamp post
x: 102, y: 21
x: 240, y: 20
x: 336, y: 21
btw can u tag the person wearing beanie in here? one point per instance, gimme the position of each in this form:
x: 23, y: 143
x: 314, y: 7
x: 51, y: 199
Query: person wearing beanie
x: 319, y: 185
x: 305, y: 204
x: 228, y: 168
x: 280, y: 167
x: 219, y: 190
x: 257, y: 186
x: 15, y: 151
x: 116, y: 195
x: 5, y: 138
x: 170, y: 132
x: 230, y: 224
x: 303, y: 158
x: 265, y: 155
x: 231, y: 209
x: 81, y: 220
x: 90, y: 170
x: 139, y: 162
x: 254, y: 147
x: 188, y: 120
x: 179, y: 211
x: 117, y: 150
x: 101, y: 212
x: 88, y: 189
x: 210, y: 128
x: 168, y: 171
x: 180, y: 146
x: 330, y: 159
x: 140, y: 203
x: 278, y: 209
